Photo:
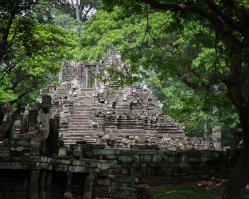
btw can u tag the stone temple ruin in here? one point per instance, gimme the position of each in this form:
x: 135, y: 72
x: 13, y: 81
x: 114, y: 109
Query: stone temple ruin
x: 93, y: 112
x: 88, y: 139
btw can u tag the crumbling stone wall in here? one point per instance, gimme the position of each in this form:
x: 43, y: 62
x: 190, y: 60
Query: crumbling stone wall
x: 55, y: 178
x: 165, y: 166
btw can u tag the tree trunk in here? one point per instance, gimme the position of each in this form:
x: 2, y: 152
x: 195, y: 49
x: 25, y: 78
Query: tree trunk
x: 240, y: 176
x: 78, y: 17
x: 77, y: 10
x: 238, y: 180
x: 235, y: 83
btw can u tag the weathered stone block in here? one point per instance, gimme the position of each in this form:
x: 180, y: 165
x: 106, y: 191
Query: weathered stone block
x: 43, y: 159
x: 157, y: 158
x: 125, y: 158
x: 88, y: 154
x: 104, y: 182
x: 79, y: 169
x: 170, y: 153
x: 205, y: 176
x: 108, y: 152
x: 126, y: 152
x: 157, y: 171
x: 146, y: 158
x: 194, y: 166
x: 172, y: 160
x: 206, y: 155
x: 167, y: 171
x: 192, y: 159
x: 194, y: 153
x: 113, y: 162
x: 204, y: 166
x: 136, y: 158
x: 58, y: 167
x: 97, y: 151
x: 110, y: 157
x: 77, y: 162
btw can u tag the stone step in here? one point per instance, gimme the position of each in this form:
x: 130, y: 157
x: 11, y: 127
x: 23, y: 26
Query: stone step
x: 83, y: 97
x: 62, y: 130
x: 83, y: 125
x: 83, y: 102
x: 82, y: 133
x: 82, y: 112
x: 77, y: 131
x: 85, y: 105
x: 83, y: 108
x: 77, y: 123
x: 73, y: 139
x: 79, y: 110
x: 63, y: 125
x: 79, y: 127
x: 81, y: 120
x: 85, y: 113
x: 70, y: 142
x: 72, y: 134
x: 80, y: 117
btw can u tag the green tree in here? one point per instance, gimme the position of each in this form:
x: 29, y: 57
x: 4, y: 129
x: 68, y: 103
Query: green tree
x: 191, y: 108
x: 227, y: 23
x: 31, y: 52
x: 139, y: 38
x: 82, y: 9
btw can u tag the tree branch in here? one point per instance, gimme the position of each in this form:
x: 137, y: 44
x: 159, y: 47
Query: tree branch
x: 28, y: 90
x: 242, y: 13
x: 216, y: 9
x: 201, y: 85
x: 4, y: 39
x: 213, y: 19
x: 84, y: 16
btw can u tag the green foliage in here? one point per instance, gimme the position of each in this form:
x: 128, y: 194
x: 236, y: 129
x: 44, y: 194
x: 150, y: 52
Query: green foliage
x: 34, y: 58
x: 60, y: 14
x: 160, y: 46
x: 125, y: 32
x: 182, y: 104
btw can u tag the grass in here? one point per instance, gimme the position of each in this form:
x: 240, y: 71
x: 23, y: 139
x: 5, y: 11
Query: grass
x: 189, y: 192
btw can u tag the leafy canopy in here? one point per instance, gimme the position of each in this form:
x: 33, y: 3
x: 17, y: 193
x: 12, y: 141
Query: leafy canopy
x: 32, y: 51
x: 159, y: 46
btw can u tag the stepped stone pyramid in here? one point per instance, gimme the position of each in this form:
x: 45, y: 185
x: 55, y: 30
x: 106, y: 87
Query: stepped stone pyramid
x: 92, y: 111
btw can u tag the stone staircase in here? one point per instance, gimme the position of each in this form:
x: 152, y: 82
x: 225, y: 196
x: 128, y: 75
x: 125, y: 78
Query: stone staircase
x: 81, y: 119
